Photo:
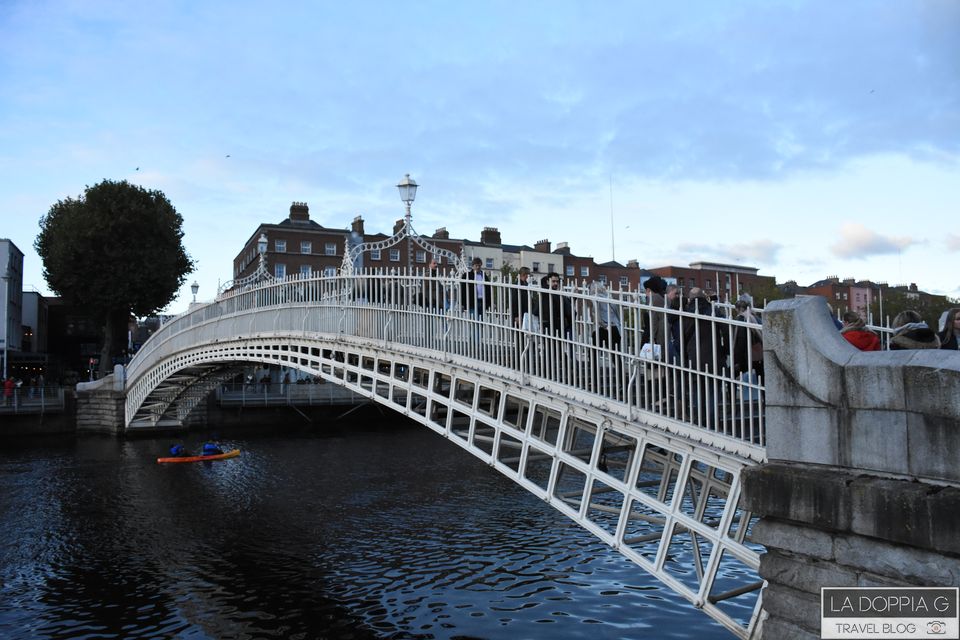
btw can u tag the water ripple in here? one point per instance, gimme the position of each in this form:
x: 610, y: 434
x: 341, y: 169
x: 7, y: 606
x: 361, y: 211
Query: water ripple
x: 385, y: 534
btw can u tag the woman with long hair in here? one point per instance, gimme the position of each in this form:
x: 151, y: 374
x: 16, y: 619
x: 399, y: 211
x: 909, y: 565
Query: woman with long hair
x: 950, y: 336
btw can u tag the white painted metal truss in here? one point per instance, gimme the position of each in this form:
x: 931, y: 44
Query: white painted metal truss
x: 646, y: 454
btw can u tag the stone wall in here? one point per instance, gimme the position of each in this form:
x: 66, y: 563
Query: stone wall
x: 100, y: 404
x: 862, y: 486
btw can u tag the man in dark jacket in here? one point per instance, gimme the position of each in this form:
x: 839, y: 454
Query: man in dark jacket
x: 556, y: 310
x: 520, y: 298
x: 475, y: 291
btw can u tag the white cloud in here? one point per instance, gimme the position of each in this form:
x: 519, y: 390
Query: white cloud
x: 953, y: 242
x: 760, y: 252
x: 859, y: 241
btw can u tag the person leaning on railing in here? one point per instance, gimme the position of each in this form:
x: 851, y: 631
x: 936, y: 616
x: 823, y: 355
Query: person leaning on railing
x: 556, y: 313
x: 608, y: 324
x: 856, y: 333
x: 911, y: 332
x: 655, y: 329
x: 747, y: 342
x: 703, y: 340
x: 950, y: 335
x: 520, y: 298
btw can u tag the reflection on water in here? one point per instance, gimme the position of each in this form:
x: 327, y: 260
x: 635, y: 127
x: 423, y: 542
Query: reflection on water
x: 385, y: 534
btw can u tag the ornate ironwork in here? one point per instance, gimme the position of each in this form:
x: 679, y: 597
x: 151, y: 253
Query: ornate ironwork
x: 406, y: 232
x: 260, y: 275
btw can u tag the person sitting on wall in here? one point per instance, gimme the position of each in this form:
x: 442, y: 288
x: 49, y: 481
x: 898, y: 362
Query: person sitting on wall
x: 211, y: 448
x: 178, y: 451
x: 856, y: 333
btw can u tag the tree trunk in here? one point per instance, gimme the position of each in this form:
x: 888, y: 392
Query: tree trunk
x: 106, y: 360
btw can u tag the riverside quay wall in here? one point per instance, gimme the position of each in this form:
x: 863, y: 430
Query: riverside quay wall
x: 862, y: 484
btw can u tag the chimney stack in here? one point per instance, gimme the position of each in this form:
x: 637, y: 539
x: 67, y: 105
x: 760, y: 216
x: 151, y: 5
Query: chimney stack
x: 490, y: 236
x: 441, y: 234
x: 357, y: 225
x: 398, y: 225
x: 543, y: 246
x: 299, y: 212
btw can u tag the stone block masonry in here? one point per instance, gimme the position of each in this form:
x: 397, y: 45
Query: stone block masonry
x: 862, y: 486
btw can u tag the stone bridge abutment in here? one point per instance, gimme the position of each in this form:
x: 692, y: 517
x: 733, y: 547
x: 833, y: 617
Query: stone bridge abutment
x: 862, y: 483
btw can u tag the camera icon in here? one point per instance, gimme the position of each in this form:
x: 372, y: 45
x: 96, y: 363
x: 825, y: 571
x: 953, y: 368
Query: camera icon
x: 936, y: 628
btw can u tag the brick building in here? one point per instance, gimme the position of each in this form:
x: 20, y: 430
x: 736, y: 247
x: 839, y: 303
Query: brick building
x: 727, y: 281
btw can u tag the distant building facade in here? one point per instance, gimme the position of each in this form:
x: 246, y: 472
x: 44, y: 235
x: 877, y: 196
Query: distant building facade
x: 11, y: 270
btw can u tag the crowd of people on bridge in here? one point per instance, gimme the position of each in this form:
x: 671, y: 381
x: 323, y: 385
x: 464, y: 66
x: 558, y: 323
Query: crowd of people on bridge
x: 699, y: 343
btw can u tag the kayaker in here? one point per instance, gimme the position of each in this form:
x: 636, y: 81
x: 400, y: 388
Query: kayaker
x: 178, y: 451
x: 211, y: 448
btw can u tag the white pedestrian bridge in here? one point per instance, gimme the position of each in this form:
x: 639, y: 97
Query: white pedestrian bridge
x: 643, y: 451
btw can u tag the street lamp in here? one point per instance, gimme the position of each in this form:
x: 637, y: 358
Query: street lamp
x: 262, y: 250
x: 194, y: 288
x: 408, y: 191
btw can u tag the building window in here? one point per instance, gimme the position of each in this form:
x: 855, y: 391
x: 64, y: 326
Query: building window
x: 837, y: 295
x: 550, y: 268
x: 707, y: 284
x: 602, y: 279
x: 279, y: 271
x: 844, y: 296
x: 536, y: 267
x: 306, y: 247
x: 330, y: 249
x: 569, y: 270
x: 280, y: 246
x: 422, y: 257
x: 489, y: 263
x: 692, y: 282
x: 329, y: 271
x: 624, y: 282
x: 374, y: 254
x: 584, y: 272
x: 306, y: 271
x: 394, y: 255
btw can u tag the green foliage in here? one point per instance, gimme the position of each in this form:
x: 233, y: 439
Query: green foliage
x: 894, y: 301
x: 114, y: 251
x: 765, y: 291
x: 115, y: 248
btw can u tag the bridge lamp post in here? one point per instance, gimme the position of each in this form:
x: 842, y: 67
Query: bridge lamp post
x: 194, y: 288
x: 262, y: 250
x: 408, y: 191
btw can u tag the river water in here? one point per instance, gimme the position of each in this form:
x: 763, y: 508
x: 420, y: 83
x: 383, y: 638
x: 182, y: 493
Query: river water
x: 384, y: 533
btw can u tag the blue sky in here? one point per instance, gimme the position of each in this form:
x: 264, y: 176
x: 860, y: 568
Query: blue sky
x: 808, y: 139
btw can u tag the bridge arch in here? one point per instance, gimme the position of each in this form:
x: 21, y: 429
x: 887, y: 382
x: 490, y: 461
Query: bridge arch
x: 654, y: 487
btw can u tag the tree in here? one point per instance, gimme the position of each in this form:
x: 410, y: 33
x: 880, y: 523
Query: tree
x: 116, y: 250
x: 896, y: 300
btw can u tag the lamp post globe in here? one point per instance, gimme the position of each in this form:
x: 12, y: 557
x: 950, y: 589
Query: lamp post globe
x: 408, y: 191
x: 194, y: 288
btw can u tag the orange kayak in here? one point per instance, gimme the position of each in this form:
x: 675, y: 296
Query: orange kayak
x: 220, y: 456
